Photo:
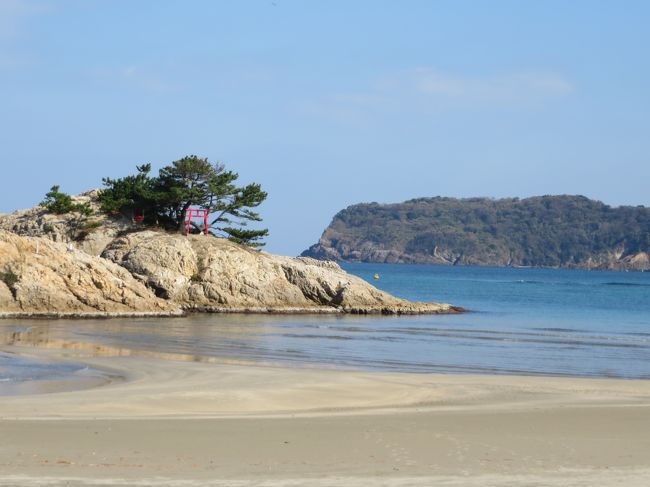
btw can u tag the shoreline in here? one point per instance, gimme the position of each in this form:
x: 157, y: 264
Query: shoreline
x: 494, y: 266
x: 49, y: 315
x: 289, y: 310
x: 252, y: 389
x: 111, y: 373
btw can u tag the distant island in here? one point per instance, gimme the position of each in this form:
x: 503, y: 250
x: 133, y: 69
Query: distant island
x: 541, y: 231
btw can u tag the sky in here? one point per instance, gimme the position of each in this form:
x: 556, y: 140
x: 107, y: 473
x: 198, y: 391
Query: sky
x: 329, y: 103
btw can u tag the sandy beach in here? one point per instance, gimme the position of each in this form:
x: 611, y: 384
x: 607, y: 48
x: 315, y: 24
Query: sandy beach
x: 183, y: 423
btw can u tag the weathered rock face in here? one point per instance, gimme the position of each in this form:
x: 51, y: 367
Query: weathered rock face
x: 91, y: 234
x: 211, y: 274
x: 165, y: 263
x: 38, y: 276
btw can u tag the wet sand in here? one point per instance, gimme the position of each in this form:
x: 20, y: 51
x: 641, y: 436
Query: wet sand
x: 176, y: 423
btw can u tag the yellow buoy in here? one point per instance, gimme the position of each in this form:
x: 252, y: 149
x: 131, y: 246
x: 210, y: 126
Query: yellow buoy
x: 376, y: 276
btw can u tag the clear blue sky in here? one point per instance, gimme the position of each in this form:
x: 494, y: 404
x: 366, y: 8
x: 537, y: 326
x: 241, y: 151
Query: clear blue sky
x: 329, y: 103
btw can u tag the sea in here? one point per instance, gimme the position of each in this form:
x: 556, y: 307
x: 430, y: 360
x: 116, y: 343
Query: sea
x: 521, y: 321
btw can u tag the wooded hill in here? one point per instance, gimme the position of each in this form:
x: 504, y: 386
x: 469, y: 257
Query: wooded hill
x: 548, y: 231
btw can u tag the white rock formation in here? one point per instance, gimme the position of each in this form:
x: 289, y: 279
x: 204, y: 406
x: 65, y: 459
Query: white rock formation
x: 212, y: 274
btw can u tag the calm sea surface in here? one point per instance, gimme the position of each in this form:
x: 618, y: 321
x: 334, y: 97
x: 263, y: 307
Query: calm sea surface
x: 523, y: 321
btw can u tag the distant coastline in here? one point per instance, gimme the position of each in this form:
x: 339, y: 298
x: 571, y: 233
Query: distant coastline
x: 545, y: 231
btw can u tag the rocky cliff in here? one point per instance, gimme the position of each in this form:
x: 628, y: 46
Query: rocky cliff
x: 212, y: 274
x: 547, y: 231
x: 42, y: 277
x: 143, y: 271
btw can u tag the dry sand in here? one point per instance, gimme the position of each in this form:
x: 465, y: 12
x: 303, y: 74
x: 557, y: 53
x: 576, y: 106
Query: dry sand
x: 175, y: 423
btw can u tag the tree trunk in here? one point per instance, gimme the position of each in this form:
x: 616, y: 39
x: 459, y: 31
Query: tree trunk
x: 181, y: 220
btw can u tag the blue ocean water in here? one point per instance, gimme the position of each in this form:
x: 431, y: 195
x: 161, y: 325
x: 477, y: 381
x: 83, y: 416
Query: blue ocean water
x: 520, y: 321
x: 531, y: 321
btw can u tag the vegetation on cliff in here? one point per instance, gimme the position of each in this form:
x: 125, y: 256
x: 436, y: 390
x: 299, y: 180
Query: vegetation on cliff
x: 61, y: 203
x: 164, y: 201
x: 190, y: 182
x: 553, y: 231
x: 76, y: 213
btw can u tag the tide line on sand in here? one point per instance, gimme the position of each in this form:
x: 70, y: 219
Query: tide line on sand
x: 183, y: 423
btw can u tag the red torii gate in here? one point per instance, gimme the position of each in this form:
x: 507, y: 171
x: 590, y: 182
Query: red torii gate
x: 197, y: 213
x: 138, y: 215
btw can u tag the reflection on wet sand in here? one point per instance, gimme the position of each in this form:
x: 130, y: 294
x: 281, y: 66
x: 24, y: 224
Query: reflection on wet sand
x: 65, y: 337
x: 40, y: 337
x: 48, y: 356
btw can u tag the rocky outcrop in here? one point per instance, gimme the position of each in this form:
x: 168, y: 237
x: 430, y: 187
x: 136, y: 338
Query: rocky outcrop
x: 63, y: 265
x: 211, y: 274
x: 42, y: 277
x: 91, y: 234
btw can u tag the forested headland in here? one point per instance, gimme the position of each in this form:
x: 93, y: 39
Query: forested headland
x: 544, y: 231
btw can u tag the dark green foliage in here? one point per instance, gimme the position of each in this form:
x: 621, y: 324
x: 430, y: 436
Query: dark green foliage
x: 127, y: 194
x: 246, y: 237
x: 57, y: 202
x: 539, y: 231
x: 61, y: 203
x: 10, y: 278
x: 190, y: 182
